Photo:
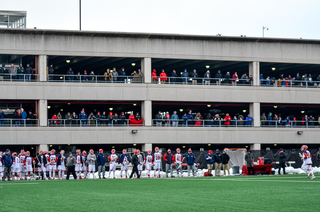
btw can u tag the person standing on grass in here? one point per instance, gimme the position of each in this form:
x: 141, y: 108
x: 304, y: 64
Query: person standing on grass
x: 217, y: 163
x: 318, y: 157
x: 7, y: 161
x: 210, y: 159
x: 71, y: 163
x: 282, y: 161
x: 135, y: 163
x: 190, y: 158
x: 91, y: 158
x: 101, y: 160
x: 169, y: 158
x: 249, y: 159
x: 307, y: 162
x: 225, y: 162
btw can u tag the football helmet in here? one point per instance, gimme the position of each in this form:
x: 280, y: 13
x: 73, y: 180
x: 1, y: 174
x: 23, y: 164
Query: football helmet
x: 100, y: 150
x: 178, y: 150
x: 78, y: 151
x: 136, y: 151
x: 124, y: 151
x: 304, y: 148
x: 53, y: 151
x: 84, y: 153
x: 149, y: 152
x: 91, y: 151
x: 45, y: 152
x: 156, y: 149
x: 113, y: 151
x: 41, y: 152
x: 62, y: 152
x: 22, y: 152
x: 14, y: 154
x: 27, y: 153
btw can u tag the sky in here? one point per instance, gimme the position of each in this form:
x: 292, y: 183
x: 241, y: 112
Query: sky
x: 284, y: 18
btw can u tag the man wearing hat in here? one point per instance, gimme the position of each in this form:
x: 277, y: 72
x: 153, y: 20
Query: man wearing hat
x: 169, y: 158
x: 282, y: 161
x: 210, y: 159
x: 217, y: 163
x: 249, y: 159
x: 7, y: 161
x: 190, y: 158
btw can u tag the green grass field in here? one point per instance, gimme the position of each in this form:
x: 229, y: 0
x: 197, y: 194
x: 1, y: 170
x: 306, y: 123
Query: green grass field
x: 238, y: 193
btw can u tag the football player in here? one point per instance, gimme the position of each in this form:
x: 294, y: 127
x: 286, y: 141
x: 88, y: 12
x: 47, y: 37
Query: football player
x: 78, y: 163
x: 141, y: 162
x: 157, y: 161
x: 47, y: 166
x: 42, y: 162
x: 178, y: 158
x: 307, y: 162
x: 92, y: 163
x: 84, y: 164
x: 21, y: 160
x: 61, y: 164
x: 28, y: 161
x: 148, y: 161
x: 124, y: 161
x: 113, y: 158
x: 15, y: 166
x: 53, y: 164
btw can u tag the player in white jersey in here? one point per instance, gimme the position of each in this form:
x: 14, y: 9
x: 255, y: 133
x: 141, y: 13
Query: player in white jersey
x: 53, y: 165
x: 78, y: 164
x: 16, y: 165
x: 124, y: 161
x: 47, y: 155
x: 1, y: 166
x: 178, y: 158
x: 21, y: 160
x: 61, y: 164
x: 148, y: 161
x: 91, y: 158
x: 157, y: 161
x: 42, y: 162
x: 113, y: 158
x: 28, y: 164
x: 141, y: 162
x: 307, y: 162
x: 84, y: 164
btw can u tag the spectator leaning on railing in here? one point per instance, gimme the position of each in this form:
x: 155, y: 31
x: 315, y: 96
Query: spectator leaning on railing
x: 207, y: 77
x: 249, y: 120
x: 175, y: 119
x: 194, y: 76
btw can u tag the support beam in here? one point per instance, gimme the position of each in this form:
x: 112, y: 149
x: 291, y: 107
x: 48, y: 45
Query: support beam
x: 254, y: 110
x: 255, y: 146
x: 43, y: 147
x: 146, y: 69
x: 43, y: 112
x: 146, y: 113
x: 146, y: 147
x: 254, y: 70
x: 42, y: 68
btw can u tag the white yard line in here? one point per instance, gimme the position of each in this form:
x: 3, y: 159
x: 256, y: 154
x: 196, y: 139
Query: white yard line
x: 4, y: 184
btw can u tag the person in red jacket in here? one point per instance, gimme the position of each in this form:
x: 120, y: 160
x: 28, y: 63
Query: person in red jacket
x: 235, y: 78
x: 163, y: 77
x: 154, y: 76
x: 227, y: 119
x: 169, y: 158
x: 55, y: 117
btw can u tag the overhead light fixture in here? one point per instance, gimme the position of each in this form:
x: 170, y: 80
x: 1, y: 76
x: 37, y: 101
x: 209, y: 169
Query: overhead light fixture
x: 181, y: 110
x: 61, y: 109
x: 209, y: 144
x: 49, y: 107
x: 275, y: 106
x: 134, y: 144
x: 183, y: 147
x: 302, y: 111
x: 244, y: 111
x: 113, y: 147
x: 134, y: 104
x: 68, y: 144
x: 31, y: 147
x: 274, y: 144
x: 208, y: 105
x: 110, y: 108
x: 67, y: 61
x: 273, y: 68
x: 50, y: 145
x: 207, y: 66
x: 69, y: 103
x: 61, y: 77
x: 181, y: 73
x: 133, y: 64
x: 247, y: 147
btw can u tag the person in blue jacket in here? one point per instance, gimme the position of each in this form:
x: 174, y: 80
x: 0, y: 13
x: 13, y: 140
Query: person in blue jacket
x: 249, y: 120
x: 190, y: 158
x: 101, y: 160
x: 7, y: 161
x: 83, y: 118
x: 23, y: 115
x: 185, y: 76
x: 210, y: 159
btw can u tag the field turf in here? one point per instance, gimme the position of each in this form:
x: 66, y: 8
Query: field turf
x: 237, y: 193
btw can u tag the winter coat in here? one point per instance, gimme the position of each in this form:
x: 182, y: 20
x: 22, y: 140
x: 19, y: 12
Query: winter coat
x: 29, y: 70
x: 83, y: 115
x: 282, y: 157
x: 175, y: 117
x: 154, y: 75
x: 217, y: 158
x: 209, y: 159
x: 249, y: 159
x: 13, y: 71
x: 101, y: 160
x: 163, y: 76
x: 190, y: 158
x: 225, y: 158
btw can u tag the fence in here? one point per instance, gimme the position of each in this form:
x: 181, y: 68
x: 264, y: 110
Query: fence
x: 94, y: 79
x: 19, y: 122
x: 90, y: 123
x: 201, y: 81
x: 290, y: 124
x: 19, y: 77
x: 200, y: 123
x: 289, y: 83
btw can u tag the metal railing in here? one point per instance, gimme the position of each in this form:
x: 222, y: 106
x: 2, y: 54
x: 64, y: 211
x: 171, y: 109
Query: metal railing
x: 91, y: 123
x: 289, y: 83
x: 19, y: 122
x: 19, y: 77
x: 201, y: 81
x: 200, y: 123
x: 94, y: 79
x: 290, y: 124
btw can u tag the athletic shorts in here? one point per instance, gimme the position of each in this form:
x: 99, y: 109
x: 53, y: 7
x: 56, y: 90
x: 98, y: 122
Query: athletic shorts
x: 139, y: 167
x: 157, y: 166
x: 21, y: 168
x: 61, y: 167
x: 92, y: 168
x: 77, y: 167
x: 28, y: 169
x: 124, y: 167
x: 148, y: 166
x: 52, y: 167
x: 84, y: 168
x: 112, y: 166
x: 306, y: 167
x: 42, y: 168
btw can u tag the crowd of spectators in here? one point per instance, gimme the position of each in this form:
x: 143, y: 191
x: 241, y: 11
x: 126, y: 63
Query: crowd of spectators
x: 196, y: 119
x: 20, y: 118
x: 276, y: 119
x: 289, y: 81
x: 98, y: 119
x: 16, y: 73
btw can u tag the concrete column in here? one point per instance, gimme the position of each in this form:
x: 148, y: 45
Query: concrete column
x: 42, y: 68
x: 146, y: 69
x: 146, y: 112
x: 43, y: 112
x: 146, y: 147
x: 254, y: 110
x: 255, y: 146
x: 254, y: 70
x: 43, y: 147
